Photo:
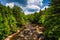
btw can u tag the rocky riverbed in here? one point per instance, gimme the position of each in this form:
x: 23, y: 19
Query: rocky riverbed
x: 31, y: 33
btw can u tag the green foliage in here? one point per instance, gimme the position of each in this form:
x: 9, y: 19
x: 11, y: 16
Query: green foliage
x: 50, y: 18
x: 10, y: 20
x: 55, y: 6
x: 19, y: 15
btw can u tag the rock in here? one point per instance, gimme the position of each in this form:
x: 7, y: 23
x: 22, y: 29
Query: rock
x: 30, y: 33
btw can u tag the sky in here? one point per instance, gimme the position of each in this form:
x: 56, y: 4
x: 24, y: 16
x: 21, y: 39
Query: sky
x: 28, y: 6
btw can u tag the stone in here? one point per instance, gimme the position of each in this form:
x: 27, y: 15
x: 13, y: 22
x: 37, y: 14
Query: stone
x: 30, y: 33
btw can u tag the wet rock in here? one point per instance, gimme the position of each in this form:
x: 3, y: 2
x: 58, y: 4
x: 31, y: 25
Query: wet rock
x: 30, y: 33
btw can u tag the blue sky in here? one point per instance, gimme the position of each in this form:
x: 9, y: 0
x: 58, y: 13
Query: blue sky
x: 28, y: 6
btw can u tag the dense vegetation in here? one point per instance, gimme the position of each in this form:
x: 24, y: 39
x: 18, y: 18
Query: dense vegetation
x: 11, y: 19
x: 49, y: 18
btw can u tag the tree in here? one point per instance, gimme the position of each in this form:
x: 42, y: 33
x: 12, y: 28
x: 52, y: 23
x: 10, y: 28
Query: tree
x: 55, y: 6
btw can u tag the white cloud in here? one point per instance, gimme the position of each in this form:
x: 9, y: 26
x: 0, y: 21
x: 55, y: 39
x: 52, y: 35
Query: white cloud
x: 35, y: 2
x: 27, y: 12
x: 11, y: 5
x: 30, y: 1
x: 31, y: 4
x: 45, y: 7
x: 30, y: 7
x: 33, y: 7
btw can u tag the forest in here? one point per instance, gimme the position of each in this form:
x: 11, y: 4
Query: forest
x: 12, y: 19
